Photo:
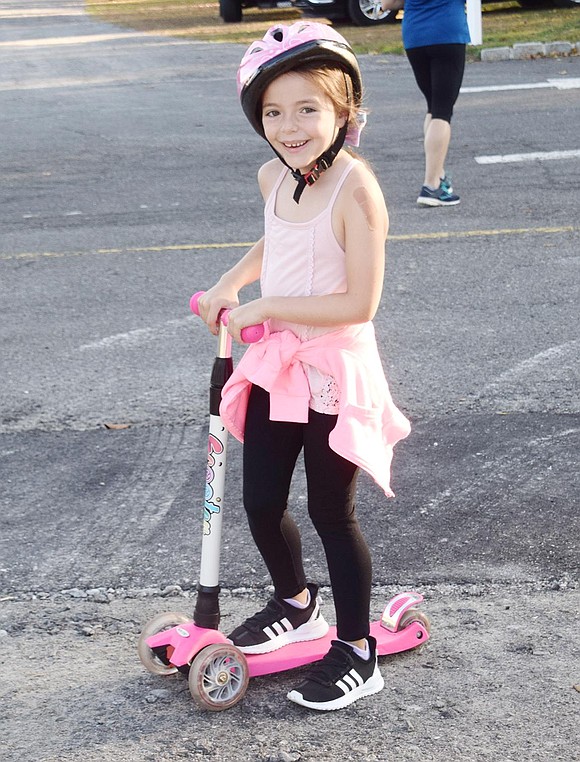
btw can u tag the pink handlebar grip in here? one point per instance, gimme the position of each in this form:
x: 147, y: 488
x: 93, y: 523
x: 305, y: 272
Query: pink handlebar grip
x: 193, y: 302
x: 250, y: 334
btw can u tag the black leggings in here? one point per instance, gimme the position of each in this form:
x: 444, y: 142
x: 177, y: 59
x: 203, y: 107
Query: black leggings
x: 271, y: 449
x: 438, y: 70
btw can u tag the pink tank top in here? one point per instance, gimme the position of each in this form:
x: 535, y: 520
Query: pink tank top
x: 305, y: 259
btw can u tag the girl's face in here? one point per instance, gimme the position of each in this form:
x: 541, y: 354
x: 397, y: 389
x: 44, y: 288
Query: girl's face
x: 299, y: 119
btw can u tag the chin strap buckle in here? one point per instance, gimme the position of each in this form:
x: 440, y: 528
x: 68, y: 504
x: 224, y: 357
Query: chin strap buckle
x: 312, y: 175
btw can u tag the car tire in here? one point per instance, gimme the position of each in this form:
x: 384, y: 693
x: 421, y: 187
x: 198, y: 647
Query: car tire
x: 362, y: 13
x: 231, y: 11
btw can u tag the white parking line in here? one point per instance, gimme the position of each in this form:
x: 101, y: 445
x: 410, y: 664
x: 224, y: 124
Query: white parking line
x: 138, y: 336
x: 148, y: 76
x: 536, y: 156
x: 30, y: 13
x: 76, y: 40
x: 562, y: 357
x: 571, y: 83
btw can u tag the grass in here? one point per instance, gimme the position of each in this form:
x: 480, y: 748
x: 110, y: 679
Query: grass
x: 503, y: 23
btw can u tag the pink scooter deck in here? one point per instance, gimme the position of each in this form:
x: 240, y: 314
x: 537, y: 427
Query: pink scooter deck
x: 186, y: 640
x: 298, y: 654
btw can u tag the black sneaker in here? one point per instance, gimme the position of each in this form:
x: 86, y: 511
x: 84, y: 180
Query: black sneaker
x: 279, y: 624
x: 339, y: 679
x: 443, y: 196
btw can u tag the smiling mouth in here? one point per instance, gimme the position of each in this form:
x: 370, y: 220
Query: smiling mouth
x: 296, y: 144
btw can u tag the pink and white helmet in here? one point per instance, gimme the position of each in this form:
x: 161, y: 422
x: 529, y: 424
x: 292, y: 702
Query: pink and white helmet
x: 284, y: 48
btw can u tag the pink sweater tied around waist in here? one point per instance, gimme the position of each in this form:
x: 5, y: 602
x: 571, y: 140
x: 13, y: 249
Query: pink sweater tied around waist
x: 368, y: 423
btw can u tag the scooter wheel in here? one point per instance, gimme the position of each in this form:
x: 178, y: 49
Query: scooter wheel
x: 414, y: 615
x: 218, y: 677
x: 160, y: 623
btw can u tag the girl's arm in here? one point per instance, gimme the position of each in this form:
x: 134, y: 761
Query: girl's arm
x: 362, y: 216
x: 225, y: 292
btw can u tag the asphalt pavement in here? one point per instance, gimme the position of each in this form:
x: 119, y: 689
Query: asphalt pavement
x: 127, y: 182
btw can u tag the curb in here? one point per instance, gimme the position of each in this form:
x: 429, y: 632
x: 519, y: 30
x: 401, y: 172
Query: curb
x: 527, y: 50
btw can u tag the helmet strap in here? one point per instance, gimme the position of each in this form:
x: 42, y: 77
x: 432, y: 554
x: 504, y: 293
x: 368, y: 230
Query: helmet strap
x: 321, y: 164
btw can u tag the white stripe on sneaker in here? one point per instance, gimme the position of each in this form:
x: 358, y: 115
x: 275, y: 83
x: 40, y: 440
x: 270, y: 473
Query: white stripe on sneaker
x: 310, y: 630
x: 277, y: 628
x: 350, y: 681
x: 374, y: 684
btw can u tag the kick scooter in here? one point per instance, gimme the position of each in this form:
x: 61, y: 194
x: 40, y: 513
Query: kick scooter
x: 217, y: 671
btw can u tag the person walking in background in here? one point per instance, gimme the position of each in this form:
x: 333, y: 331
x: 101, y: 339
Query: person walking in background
x: 435, y: 34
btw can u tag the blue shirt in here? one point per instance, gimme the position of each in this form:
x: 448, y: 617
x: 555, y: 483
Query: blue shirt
x: 434, y: 22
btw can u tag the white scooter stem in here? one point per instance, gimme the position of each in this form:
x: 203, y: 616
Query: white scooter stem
x: 207, y: 612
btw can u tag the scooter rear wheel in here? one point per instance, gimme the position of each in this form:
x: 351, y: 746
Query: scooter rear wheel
x: 414, y: 615
x: 160, y: 623
x: 218, y: 677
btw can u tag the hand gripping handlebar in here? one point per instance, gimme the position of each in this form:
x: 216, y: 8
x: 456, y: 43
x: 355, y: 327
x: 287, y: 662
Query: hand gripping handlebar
x: 250, y: 334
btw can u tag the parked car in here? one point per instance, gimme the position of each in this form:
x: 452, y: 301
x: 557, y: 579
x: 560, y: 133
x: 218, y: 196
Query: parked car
x: 368, y: 12
x: 359, y: 12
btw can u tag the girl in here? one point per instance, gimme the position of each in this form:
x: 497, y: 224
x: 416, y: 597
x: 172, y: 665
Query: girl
x: 315, y: 382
